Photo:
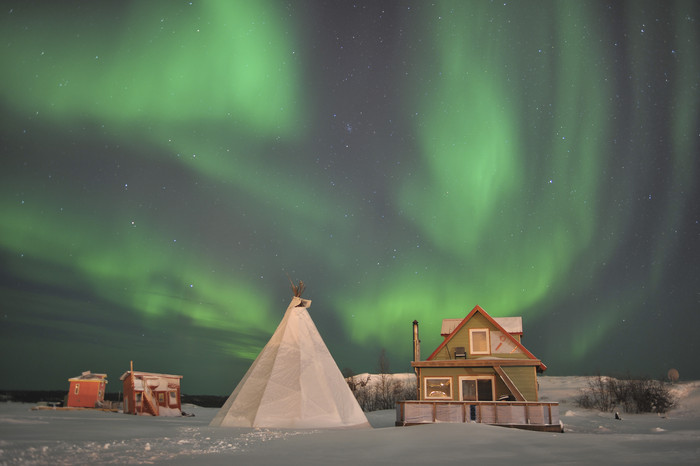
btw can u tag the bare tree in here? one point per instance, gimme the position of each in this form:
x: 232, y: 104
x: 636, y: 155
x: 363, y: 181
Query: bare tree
x: 379, y: 392
x: 633, y: 395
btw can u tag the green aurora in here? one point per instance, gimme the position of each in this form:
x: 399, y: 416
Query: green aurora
x: 167, y: 165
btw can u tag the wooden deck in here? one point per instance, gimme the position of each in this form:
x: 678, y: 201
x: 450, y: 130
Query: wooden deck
x: 518, y: 414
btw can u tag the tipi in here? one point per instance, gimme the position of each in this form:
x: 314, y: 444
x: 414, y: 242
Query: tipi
x: 294, y: 382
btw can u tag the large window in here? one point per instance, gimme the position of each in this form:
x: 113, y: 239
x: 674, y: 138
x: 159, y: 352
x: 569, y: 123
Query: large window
x: 479, y: 341
x: 438, y: 388
x: 476, y: 388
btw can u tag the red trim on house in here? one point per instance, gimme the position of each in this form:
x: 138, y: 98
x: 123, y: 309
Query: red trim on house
x: 476, y: 309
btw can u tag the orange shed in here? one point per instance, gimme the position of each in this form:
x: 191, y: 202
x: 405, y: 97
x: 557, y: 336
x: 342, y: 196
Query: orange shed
x: 87, y: 390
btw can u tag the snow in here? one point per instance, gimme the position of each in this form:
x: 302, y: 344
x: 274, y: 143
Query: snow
x: 86, y: 437
x: 163, y: 411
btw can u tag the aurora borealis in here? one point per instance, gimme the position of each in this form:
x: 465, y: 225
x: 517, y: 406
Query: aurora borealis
x: 167, y: 165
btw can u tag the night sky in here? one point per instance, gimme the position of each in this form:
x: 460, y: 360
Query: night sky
x: 168, y: 166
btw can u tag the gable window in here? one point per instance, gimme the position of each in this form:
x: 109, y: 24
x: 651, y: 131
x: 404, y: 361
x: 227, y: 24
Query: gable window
x: 438, y: 388
x: 479, y: 341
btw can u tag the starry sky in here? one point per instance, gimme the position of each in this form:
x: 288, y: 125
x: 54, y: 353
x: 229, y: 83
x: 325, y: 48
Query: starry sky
x: 168, y: 166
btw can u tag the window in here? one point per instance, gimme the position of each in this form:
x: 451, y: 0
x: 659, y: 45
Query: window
x: 77, y: 389
x: 479, y: 341
x: 476, y: 388
x: 173, y: 398
x: 161, y: 398
x: 438, y: 388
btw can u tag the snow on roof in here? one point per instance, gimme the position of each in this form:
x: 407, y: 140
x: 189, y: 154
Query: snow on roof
x: 140, y: 374
x: 512, y: 325
x: 88, y: 376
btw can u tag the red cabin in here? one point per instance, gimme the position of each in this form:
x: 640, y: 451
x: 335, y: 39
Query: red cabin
x: 151, y: 393
x: 87, y: 390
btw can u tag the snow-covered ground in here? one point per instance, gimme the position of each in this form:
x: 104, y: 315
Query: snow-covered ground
x: 92, y: 437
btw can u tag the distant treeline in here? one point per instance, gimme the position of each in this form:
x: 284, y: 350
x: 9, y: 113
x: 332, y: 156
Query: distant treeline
x: 205, y: 401
x: 33, y: 396
x: 59, y: 397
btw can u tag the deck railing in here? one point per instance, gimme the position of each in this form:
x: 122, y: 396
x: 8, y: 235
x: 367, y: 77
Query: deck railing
x: 522, y: 414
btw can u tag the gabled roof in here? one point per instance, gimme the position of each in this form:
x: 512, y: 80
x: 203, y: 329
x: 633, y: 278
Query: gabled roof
x: 88, y: 376
x: 149, y: 374
x: 495, y: 323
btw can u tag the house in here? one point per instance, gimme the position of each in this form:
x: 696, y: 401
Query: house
x: 150, y: 393
x: 87, y: 390
x: 481, y: 372
x: 482, y: 359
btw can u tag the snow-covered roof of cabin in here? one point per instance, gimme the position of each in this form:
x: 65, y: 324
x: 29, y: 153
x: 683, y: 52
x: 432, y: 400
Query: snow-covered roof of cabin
x: 512, y: 325
x: 140, y: 374
x: 87, y: 376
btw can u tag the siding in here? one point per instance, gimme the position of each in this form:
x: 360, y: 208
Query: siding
x: 461, y: 338
x: 455, y: 372
x: 525, y: 378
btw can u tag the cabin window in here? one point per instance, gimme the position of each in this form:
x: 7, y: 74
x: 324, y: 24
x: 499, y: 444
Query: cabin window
x: 479, y: 341
x: 438, y: 388
x: 76, y: 390
x: 476, y: 388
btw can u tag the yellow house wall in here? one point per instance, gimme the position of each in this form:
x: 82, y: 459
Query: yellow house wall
x: 455, y: 372
x: 525, y: 378
x: 461, y: 338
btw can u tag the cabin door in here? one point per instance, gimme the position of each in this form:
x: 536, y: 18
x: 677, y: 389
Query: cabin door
x: 476, y: 388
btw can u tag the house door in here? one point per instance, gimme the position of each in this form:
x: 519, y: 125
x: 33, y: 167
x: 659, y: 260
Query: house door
x: 476, y: 388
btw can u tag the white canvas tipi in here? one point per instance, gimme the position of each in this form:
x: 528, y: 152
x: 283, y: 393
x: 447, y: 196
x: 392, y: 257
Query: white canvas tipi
x: 293, y: 383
